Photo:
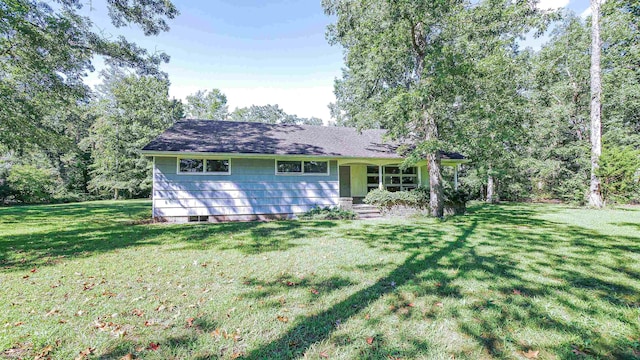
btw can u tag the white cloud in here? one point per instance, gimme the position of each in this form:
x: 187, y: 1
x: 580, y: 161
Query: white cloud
x: 301, y: 101
x: 552, y: 4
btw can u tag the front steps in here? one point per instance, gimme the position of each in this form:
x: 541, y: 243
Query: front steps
x: 366, y: 211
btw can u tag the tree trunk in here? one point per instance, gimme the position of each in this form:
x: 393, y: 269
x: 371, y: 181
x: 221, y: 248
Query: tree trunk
x: 595, y: 194
x: 115, y: 194
x: 492, y: 196
x: 436, y: 196
x: 490, y: 189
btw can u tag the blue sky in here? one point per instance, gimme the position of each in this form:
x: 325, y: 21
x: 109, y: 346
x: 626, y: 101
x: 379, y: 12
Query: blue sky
x: 256, y: 52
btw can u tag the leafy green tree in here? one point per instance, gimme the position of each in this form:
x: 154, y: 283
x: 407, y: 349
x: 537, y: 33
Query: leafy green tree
x: 211, y: 105
x: 30, y: 184
x: 270, y: 114
x: 46, y: 48
x: 619, y: 172
x: 495, y: 117
x: 621, y: 72
x: 132, y: 111
x: 557, y: 160
x: 408, y: 65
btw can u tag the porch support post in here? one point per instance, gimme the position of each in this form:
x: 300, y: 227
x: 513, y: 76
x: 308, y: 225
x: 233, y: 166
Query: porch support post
x: 455, y: 177
x: 380, y: 184
x: 419, y: 175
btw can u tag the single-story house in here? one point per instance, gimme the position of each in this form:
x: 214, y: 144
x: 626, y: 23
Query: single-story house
x: 205, y: 170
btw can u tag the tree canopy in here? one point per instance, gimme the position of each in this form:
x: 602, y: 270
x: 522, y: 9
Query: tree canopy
x: 209, y: 105
x: 410, y: 65
x: 46, y: 48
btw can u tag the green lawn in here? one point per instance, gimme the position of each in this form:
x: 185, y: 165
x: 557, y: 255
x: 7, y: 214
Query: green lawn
x: 501, y: 282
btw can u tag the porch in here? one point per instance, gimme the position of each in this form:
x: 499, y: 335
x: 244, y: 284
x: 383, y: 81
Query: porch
x: 357, y: 178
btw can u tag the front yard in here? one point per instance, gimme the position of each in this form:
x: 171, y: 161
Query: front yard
x: 93, y: 280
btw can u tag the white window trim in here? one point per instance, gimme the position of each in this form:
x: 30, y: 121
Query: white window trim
x: 302, y: 173
x: 385, y: 175
x: 204, y: 166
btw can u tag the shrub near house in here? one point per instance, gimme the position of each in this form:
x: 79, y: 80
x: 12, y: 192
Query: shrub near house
x: 416, y: 201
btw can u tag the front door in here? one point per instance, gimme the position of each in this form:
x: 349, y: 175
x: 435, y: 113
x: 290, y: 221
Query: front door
x: 345, y: 181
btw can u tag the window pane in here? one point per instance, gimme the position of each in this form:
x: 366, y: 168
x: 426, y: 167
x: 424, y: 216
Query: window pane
x: 392, y: 179
x: 218, y: 166
x: 316, y: 167
x: 408, y: 188
x: 409, y: 180
x: 370, y: 188
x: 391, y: 170
x: 411, y: 170
x: 191, y: 165
x: 393, y: 188
x: 290, y: 166
x: 373, y: 179
x: 372, y: 169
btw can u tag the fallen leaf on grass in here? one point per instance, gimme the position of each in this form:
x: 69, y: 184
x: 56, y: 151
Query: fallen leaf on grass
x: 283, y: 319
x: 190, y: 322
x: 531, y: 354
x: 439, y: 304
x: 137, y: 312
x: 370, y: 340
x: 87, y: 286
x: 576, y: 350
x: 19, y: 323
x: 314, y: 291
x: 153, y: 346
x: 85, y: 353
x: 367, y: 317
x: 324, y: 354
x: 129, y: 356
x: 52, y: 312
x: 236, y: 355
x: 517, y: 292
x: 411, y: 305
x: 236, y: 336
x: 44, y: 353
x: 25, y: 277
x: 17, y: 351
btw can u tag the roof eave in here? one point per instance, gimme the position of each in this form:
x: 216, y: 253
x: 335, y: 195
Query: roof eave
x: 289, y: 156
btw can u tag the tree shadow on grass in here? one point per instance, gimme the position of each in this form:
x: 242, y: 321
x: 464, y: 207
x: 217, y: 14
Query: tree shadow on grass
x: 543, y: 276
x: 318, y: 327
x: 520, y: 257
x: 88, y: 237
x: 92, y: 210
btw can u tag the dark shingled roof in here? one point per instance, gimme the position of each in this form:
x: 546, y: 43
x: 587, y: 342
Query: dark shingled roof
x: 233, y: 137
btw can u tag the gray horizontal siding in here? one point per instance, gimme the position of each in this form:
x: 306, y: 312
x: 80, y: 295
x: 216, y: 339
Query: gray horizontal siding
x: 252, y: 188
x: 234, y: 194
